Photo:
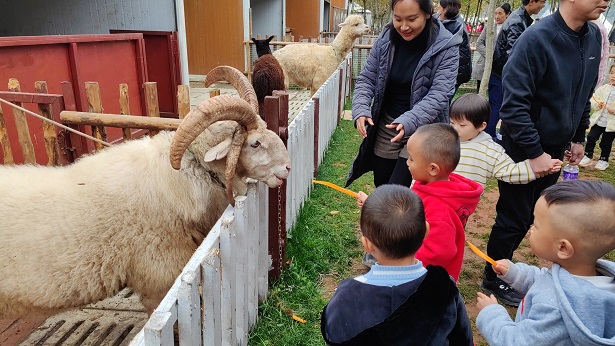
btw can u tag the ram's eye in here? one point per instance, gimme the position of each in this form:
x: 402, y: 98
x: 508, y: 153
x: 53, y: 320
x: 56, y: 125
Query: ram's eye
x: 255, y: 144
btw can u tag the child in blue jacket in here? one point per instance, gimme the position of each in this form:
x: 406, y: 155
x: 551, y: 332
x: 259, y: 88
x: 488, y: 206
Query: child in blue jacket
x: 573, y: 302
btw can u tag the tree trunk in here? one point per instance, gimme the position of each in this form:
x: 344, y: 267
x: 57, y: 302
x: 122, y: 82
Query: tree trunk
x: 489, y: 45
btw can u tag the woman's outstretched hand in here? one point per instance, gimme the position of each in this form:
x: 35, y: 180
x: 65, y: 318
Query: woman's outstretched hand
x: 399, y: 128
x: 361, y: 128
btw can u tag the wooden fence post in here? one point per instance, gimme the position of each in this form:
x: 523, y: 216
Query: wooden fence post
x: 151, y: 102
x: 125, y: 109
x: 21, y: 124
x: 92, y: 91
x: 49, y: 131
x: 272, y: 110
x: 5, y: 144
x: 183, y: 100
x: 340, y: 97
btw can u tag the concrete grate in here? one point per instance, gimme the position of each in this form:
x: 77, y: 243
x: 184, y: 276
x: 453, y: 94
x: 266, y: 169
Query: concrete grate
x: 113, y: 321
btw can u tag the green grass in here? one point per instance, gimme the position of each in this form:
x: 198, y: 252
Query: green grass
x: 322, y: 245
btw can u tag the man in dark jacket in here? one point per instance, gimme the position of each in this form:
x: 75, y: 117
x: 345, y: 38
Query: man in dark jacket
x: 512, y: 28
x: 547, y: 85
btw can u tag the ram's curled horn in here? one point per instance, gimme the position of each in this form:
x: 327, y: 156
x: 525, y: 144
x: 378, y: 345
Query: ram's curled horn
x: 215, y: 109
x: 232, y: 157
x: 237, y: 79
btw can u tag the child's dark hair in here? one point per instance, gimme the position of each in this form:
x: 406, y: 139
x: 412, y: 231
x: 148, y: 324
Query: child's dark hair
x: 451, y: 8
x: 579, y: 191
x: 471, y: 107
x: 393, y: 219
x: 591, y: 211
x: 440, y: 145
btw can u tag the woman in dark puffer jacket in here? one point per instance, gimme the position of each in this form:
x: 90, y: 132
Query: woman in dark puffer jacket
x: 450, y: 17
x: 407, y: 81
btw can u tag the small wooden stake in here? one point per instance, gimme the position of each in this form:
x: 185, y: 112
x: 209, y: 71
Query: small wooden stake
x: 151, y: 102
x: 21, y: 123
x: 49, y: 131
x: 92, y: 91
x: 125, y: 109
x: 183, y: 100
x: 4, y: 141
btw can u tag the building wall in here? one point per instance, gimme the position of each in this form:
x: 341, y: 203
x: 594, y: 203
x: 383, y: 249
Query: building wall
x: 267, y: 18
x: 214, y: 34
x: 64, y: 17
x: 303, y: 17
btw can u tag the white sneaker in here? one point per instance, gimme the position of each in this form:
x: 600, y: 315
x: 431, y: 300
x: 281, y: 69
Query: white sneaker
x: 586, y: 161
x: 601, y: 165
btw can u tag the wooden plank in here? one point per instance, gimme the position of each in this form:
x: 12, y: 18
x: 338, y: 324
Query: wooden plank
x: 125, y: 109
x: 4, y: 141
x: 264, y: 261
x: 159, y: 329
x: 151, y: 102
x: 316, y: 133
x: 49, y: 130
x: 229, y: 288
x: 252, y: 243
x: 92, y: 91
x: 21, y: 124
x: 24, y: 97
x: 212, y: 328
x: 183, y: 100
x: 240, y: 230
x: 189, y: 308
x: 118, y: 120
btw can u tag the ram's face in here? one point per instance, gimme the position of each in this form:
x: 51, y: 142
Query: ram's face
x: 264, y: 158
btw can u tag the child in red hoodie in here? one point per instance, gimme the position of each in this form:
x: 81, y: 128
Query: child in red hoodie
x: 449, y: 199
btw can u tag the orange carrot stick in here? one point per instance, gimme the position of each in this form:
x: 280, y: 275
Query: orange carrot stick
x: 598, y: 102
x: 338, y: 188
x: 298, y: 319
x: 481, y: 254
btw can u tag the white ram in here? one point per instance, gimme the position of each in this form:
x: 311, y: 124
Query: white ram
x: 309, y: 65
x: 124, y: 217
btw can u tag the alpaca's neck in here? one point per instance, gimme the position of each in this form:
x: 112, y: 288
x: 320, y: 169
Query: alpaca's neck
x: 342, y: 43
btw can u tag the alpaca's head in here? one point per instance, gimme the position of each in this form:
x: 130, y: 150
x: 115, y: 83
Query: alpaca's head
x: 354, y: 25
x: 262, y: 46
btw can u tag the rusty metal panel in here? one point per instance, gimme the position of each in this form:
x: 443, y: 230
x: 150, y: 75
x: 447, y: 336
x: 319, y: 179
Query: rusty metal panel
x: 162, y: 54
x: 107, y: 59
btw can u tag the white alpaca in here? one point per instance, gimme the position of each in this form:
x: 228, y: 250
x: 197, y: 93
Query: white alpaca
x: 309, y: 65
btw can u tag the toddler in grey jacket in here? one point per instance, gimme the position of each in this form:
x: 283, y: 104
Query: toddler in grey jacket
x: 573, y: 302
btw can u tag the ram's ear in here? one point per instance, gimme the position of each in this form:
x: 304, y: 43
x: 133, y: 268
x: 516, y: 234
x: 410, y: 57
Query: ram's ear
x: 219, y: 151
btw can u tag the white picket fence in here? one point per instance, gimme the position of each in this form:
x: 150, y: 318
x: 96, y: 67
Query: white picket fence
x: 214, y: 301
x: 301, y: 137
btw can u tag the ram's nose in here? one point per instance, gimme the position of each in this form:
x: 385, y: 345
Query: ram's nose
x: 288, y: 169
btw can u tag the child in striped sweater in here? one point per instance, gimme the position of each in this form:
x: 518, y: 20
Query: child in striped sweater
x: 481, y: 157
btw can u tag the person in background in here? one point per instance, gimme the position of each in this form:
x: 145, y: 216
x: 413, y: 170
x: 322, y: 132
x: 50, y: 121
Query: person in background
x: 602, y: 122
x: 512, y: 28
x: 482, y: 158
x: 573, y: 302
x: 450, y: 17
x: 379, y: 308
x: 501, y: 13
x: 548, y: 82
x: 407, y: 81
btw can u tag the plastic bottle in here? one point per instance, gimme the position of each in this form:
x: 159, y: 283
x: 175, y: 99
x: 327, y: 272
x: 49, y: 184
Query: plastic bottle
x: 570, y: 172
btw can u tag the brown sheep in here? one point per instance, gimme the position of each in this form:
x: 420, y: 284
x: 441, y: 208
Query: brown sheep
x: 267, y: 74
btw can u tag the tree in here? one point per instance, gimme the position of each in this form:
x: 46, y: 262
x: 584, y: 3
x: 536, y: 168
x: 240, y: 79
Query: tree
x: 489, y: 45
